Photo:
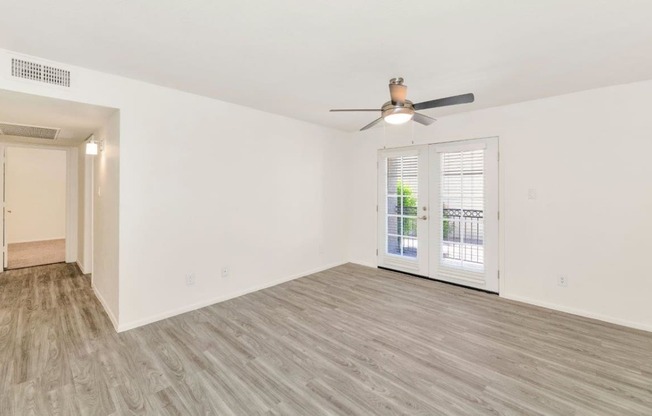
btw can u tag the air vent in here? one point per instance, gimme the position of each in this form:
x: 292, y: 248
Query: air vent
x: 34, y: 71
x: 33, y: 132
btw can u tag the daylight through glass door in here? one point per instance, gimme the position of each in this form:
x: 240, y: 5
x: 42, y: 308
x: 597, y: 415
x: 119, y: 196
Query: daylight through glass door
x: 462, y: 210
x: 402, y: 195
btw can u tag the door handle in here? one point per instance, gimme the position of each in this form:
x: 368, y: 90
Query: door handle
x: 423, y: 218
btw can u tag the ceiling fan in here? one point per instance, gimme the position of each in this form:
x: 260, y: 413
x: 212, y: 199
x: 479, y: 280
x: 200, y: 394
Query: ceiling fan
x: 399, y: 110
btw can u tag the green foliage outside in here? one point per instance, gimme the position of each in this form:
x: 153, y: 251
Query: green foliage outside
x: 448, y: 227
x: 407, y: 226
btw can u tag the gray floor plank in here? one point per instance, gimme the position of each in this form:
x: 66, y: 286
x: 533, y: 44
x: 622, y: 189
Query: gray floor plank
x: 349, y: 340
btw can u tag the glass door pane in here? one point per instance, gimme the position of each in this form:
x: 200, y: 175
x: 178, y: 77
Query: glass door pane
x: 462, y: 209
x: 402, y: 201
x: 402, y: 211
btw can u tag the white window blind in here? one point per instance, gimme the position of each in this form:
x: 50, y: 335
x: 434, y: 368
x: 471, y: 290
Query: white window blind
x: 462, y: 209
x: 402, y: 201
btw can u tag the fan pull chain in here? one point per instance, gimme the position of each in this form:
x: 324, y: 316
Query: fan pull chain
x: 412, y: 128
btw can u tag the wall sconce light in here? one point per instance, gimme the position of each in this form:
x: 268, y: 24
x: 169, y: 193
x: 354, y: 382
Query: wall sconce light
x: 93, y: 147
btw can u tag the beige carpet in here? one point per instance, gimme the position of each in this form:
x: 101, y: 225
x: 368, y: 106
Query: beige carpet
x: 36, y: 253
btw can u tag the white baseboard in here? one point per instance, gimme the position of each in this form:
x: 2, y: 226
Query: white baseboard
x: 579, y: 312
x: 560, y: 308
x: 364, y: 263
x: 198, y: 305
x: 112, y: 317
x: 81, y: 267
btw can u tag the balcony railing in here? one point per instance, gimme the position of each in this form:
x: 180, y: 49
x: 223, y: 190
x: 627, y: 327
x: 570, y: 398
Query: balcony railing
x: 463, y: 234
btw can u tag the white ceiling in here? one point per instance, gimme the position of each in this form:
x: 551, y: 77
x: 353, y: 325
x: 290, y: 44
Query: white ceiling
x: 301, y: 57
x: 77, y: 121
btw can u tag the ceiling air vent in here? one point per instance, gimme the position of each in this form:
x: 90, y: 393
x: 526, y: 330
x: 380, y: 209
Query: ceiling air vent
x: 34, y: 71
x: 33, y: 132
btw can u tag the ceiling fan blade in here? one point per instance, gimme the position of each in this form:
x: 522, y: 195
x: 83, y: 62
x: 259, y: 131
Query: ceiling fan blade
x: 353, y: 109
x: 442, y: 102
x: 423, y: 119
x: 373, y: 123
x: 398, y: 92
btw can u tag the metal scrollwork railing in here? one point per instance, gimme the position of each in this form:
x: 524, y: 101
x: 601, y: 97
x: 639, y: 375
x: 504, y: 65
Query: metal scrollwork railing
x: 462, y: 213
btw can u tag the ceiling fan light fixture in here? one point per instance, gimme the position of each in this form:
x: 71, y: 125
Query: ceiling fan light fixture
x: 399, y: 110
x: 398, y: 115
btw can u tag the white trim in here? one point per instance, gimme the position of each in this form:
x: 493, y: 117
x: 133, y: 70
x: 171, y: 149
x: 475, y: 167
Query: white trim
x: 412, y: 150
x: 72, y: 204
x: 81, y: 267
x: 87, y: 215
x: 461, y: 146
x: 46, y: 146
x: 578, y: 312
x: 201, y: 304
x: 558, y: 308
x: 108, y: 311
x: 364, y: 263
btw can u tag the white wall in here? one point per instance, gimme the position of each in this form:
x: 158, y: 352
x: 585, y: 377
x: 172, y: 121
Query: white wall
x: 587, y: 155
x: 35, y: 194
x: 203, y: 184
x: 208, y: 185
x: 106, y: 226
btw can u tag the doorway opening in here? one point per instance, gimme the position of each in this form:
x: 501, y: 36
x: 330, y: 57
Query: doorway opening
x: 35, y: 206
x: 48, y: 181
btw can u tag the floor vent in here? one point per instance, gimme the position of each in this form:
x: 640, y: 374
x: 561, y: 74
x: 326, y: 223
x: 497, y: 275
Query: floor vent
x: 34, y: 71
x: 33, y: 132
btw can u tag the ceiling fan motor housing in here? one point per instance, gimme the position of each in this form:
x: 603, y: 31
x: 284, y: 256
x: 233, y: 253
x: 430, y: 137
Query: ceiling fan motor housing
x: 397, y: 113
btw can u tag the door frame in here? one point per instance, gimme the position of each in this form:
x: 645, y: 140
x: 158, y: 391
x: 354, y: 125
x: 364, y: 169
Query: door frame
x: 499, y: 201
x: 72, y: 196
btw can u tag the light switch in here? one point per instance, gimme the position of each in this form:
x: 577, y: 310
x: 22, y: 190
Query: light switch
x: 531, y: 193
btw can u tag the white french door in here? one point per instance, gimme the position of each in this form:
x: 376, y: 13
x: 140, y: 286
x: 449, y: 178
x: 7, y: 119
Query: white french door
x: 403, y: 209
x: 438, y: 212
x: 464, y: 222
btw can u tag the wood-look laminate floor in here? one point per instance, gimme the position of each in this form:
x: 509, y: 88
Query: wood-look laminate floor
x: 350, y: 340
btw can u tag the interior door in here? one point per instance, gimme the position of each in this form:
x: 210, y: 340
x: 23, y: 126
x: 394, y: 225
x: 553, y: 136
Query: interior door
x: 464, y: 216
x: 403, y: 209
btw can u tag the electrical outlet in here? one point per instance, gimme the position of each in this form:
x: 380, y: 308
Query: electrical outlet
x: 531, y: 193
x: 562, y: 281
x: 190, y: 279
x: 225, y: 272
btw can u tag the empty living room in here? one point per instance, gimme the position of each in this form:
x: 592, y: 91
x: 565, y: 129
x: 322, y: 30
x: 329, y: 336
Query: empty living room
x: 427, y: 207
